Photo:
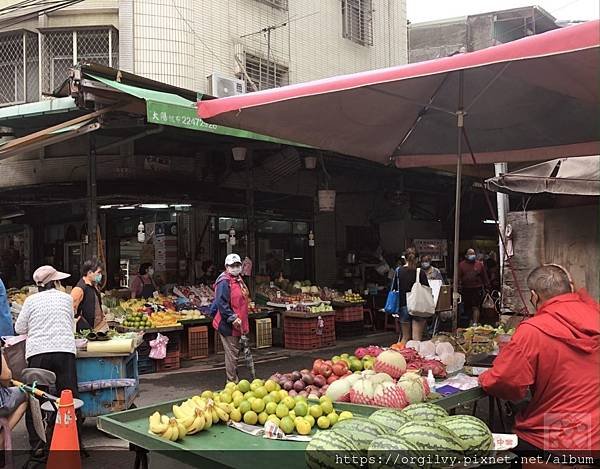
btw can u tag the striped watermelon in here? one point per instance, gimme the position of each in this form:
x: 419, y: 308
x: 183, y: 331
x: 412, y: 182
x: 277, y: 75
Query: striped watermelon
x: 326, y: 446
x: 425, y: 411
x: 390, y: 418
x: 474, y: 433
x: 362, y: 431
x: 432, y: 437
x: 389, y: 451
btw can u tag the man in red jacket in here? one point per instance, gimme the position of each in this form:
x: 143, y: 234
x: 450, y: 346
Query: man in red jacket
x: 555, y: 356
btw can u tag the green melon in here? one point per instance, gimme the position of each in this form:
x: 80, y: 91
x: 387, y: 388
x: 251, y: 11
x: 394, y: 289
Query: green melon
x: 432, y: 437
x: 425, y: 411
x: 389, y: 418
x: 325, y: 449
x: 389, y: 451
x: 474, y: 433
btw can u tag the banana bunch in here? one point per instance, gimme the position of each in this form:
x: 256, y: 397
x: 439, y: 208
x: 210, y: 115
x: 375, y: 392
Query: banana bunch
x: 192, y: 418
x: 165, y: 427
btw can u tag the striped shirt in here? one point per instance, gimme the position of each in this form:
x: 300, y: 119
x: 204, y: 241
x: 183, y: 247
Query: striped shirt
x: 47, y: 319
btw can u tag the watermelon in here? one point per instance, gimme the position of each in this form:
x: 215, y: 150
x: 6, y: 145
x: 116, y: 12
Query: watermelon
x: 425, y: 411
x: 432, y: 437
x: 390, y: 418
x: 474, y: 433
x: 362, y: 431
x: 326, y: 447
x: 389, y: 451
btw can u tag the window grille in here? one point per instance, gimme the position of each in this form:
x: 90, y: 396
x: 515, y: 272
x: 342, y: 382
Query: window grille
x: 264, y: 73
x: 18, y: 68
x: 358, y: 21
x: 62, y: 49
x: 282, y: 4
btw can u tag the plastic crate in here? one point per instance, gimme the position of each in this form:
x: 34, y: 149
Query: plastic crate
x: 302, y: 333
x: 349, y: 329
x: 349, y: 314
x: 146, y: 365
x: 197, y: 342
x: 171, y: 362
x: 264, y: 336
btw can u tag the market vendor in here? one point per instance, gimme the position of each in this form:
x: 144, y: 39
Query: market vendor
x: 472, y: 284
x: 87, y: 301
x: 6, y: 323
x: 142, y: 285
x: 555, y: 356
x: 230, y: 310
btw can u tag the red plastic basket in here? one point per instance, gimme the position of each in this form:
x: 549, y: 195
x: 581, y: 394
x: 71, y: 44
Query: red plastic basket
x: 349, y: 314
x: 301, y: 333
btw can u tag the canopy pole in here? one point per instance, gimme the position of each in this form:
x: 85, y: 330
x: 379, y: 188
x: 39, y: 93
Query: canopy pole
x: 460, y: 117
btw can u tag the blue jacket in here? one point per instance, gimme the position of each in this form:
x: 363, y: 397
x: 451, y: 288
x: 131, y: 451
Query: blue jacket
x: 6, y: 323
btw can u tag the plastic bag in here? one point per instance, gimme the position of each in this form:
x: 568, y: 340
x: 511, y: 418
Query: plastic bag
x: 158, y: 347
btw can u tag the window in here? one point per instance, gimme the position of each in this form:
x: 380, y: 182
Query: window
x: 358, y: 21
x: 283, y: 4
x: 18, y: 68
x: 62, y: 49
x: 264, y: 73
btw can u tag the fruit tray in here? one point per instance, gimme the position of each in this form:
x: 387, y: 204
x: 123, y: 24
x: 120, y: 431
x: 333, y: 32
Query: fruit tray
x: 221, y: 446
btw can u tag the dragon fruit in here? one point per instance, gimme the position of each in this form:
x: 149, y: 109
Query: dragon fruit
x: 390, y: 362
x: 360, y: 352
x: 437, y: 368
x: 388, y: 394
x: 409, y: 354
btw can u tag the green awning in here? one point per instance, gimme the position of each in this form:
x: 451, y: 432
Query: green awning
x: 173, y: 110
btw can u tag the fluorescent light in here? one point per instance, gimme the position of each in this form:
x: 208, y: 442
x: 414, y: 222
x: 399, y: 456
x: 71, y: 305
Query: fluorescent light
x: 154, y: 206
x: 298, y: 258
x: 127, y: 207
x: 18, y: 213
x: 109, y: 206
x: 489, y: 221
x: 181, y: 205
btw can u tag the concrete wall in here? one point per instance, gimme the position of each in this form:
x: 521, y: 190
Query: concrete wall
x: 566, y: 236
x: 435, y: 40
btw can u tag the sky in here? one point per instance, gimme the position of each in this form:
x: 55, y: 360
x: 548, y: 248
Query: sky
x: 427, y: 10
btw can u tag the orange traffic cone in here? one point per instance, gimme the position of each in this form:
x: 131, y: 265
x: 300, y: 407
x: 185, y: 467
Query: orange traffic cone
x: 64, y: 449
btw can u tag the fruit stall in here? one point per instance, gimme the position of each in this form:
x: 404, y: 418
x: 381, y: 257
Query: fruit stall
x: 212, y: 428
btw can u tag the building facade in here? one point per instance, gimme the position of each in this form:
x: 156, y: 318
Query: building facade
x: 218, y: 47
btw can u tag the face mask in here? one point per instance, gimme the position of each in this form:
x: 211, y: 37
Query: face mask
x: 425, y: 265
x: 150, y: 272
x: 471, y: 257
x: 235, y: 271
x: 534, y: 299
x: 98, y: 278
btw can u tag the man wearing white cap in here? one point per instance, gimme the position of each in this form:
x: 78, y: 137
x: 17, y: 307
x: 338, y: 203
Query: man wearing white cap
x: 48, y: 321
x: 230, y: 310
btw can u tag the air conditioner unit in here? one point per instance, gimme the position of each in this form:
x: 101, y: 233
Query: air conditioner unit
x: 221, y: 86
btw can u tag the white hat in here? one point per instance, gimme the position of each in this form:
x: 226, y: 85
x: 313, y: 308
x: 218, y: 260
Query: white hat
x: 232, y: 259
x: 46, y: 274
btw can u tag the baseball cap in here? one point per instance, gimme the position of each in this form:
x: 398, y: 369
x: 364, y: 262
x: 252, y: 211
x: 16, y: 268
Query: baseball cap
x: 232, y: 259
x: 46, y: 274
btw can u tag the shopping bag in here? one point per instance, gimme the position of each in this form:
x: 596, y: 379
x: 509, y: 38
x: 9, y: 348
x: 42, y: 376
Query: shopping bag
x: 158, y: 347
x: 420, y: 299
x: 488, y: 302
x: 392, y: 304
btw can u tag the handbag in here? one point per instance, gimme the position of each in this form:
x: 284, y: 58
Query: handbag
x: 420, y: 299
x: 392, y: 303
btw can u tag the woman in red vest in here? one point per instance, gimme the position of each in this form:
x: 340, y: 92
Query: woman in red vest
x: 230, y: 310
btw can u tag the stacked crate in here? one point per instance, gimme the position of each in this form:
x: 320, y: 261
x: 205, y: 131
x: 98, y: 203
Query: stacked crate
x: 349, y: 321
x: 302, y: 332
x: 197, y: 342
x: 264, y: 336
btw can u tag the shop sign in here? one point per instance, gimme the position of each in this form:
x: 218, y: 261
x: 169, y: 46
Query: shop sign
x: 176, y: 116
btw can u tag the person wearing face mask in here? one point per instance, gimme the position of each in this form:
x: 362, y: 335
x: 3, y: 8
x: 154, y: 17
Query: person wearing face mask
x: 87, y: 301
x: 230, y: 311
x: 555, y: 357
x: 142, y: 285
x: 47, y: 320
x: 433, y: 273
x: 472, y: 283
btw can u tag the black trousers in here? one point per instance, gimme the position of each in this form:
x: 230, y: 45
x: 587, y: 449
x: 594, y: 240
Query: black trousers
x: 62, y: 364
